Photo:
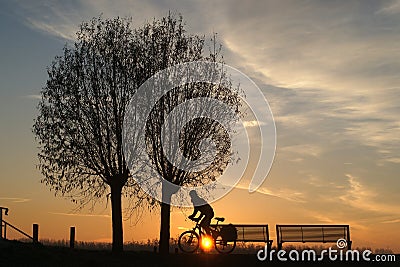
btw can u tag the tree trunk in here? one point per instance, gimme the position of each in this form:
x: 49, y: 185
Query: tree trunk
x: 164, y: 228
x: 165, y: 219
x: 116, y: 213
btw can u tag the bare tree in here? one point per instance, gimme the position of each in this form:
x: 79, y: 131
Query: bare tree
x: 198, y: 137
x: 81, y: 114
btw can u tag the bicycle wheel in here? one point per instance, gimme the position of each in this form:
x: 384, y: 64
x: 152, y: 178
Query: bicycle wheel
x: 223, y: 246
x: 189, y: 241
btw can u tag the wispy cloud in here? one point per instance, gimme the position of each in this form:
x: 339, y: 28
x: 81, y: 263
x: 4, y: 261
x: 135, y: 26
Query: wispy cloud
x: 393, y: 160
x: 392, y: 221
x: 296, y: 52
x: 349, y: 61
x: 392, y: 7
x: 303, y: 149
x: 360, y: 196
x: 253, y: 123
x: 59, y: 19
x: 51, y: 29
x: 80, y: 215
x: 36, y: 97
x: 282, y: 193
x: 356, y: 194
x: 15, y: 199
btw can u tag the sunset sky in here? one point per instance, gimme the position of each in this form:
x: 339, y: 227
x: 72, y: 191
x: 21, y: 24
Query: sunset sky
x: 329, y: 69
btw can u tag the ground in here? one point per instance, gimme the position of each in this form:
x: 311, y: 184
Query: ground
x: 13, y: 253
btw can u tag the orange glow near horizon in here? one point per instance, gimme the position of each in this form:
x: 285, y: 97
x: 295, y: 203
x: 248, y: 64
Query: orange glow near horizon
x: 56, y: 217
x: 206, y: 243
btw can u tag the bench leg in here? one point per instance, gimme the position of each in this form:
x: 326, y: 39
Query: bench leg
x: 269, y: 245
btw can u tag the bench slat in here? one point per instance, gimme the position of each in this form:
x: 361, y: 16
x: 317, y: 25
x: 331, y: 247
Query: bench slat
x: 312, y: 233
x: 250, y: 232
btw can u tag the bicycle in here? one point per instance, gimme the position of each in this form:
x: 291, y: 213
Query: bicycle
x: 224, y: 240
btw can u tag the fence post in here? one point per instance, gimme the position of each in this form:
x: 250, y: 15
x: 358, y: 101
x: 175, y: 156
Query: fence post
x: 35, y: 233
x: 1, y: 224
x: 72, y: 237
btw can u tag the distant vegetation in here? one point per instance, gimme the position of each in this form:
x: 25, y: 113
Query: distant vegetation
x: 241, y: 247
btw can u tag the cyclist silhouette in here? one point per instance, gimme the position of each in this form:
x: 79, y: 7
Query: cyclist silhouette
x: 206, y: 212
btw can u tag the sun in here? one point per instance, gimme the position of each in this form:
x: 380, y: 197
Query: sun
x: 206, y: 243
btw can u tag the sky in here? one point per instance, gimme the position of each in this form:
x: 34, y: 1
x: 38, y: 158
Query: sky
x: 329, y: 69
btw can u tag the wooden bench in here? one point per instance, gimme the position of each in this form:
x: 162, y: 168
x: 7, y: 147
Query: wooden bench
x: 312, y: 233
x: 251, y: 233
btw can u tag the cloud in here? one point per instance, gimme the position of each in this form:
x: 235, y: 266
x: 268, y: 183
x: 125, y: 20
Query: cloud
x: 393, y: 7
x: 322, y: 120
x: 50, y: 29
x: 336, y: 65
x: 303, y: 149
x: 282, y: 193
x: 314, y: 44
x: 38, y: 97
x: 81, y: 215
x: 253, y: 123
x: 55, y: 18
x: 16, y: 199
x: 359, y: 196
x: 392, y: 221
x: 393, y: 160
x: 61, y: 19
x: 301, y: 45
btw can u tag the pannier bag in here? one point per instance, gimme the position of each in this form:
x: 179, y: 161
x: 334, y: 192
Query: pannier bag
x: 229, y: 233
